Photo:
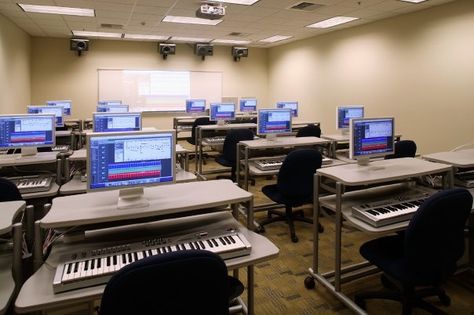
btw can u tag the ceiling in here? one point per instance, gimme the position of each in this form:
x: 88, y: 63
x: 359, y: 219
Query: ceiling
x: 263, y: 19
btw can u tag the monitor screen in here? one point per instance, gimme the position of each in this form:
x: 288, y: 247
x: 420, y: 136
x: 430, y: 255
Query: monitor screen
x: 17, y: 131
x: 195, y: 106
x: 248, y: 105
x: 115, y: 122
x: 346, y: 113
x: 118, y: 108
x: 110, y: 102
x: 274, y: 121
x: 121, y: 160
x: 290, y: 105
x: 56, y: 110
x: 371, y: 137
x: 222, y: 111
x: 64, y: 103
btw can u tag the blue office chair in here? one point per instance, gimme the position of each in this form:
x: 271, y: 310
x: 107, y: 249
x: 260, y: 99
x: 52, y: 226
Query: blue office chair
x: 229, y: 151
x: 177, y: 283
x: 9, y: 191
x: 294, y: 187
x: 425, y: 255
x: 403, y: 148
x: 309, y: 131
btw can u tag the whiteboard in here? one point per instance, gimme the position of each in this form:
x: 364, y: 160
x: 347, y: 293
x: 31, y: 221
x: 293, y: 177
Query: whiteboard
x: 158, y: 90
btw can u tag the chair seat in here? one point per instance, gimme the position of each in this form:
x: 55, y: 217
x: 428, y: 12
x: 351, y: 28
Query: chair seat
x: 236, y: 288
x: 272, y: 192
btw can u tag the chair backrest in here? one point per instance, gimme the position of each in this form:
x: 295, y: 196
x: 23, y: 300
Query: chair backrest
x: 309, y: 131
x: 183, y: 282
x: 434, y: 239
x: 233, y: 137
x: 8, y: 190
x: 403, y: 148
x: 295, y: 178
x: 199, y: 122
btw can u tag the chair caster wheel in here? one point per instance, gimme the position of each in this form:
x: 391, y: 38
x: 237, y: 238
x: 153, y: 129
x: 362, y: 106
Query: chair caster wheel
x: 294, y: 239
x: 260, y: 229
x: 444, y: 299
x: 360, y: 302
x: 309, y: 283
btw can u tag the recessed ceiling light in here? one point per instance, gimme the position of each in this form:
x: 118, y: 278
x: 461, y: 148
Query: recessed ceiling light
x: 275, y: 38
x: 231, y: 41
x: 145, y: 37
x: 337, y: 20
x: 97, y: 34
x: 56, y: 10
x: 244, y: 2
x: 414, y: 1
x: 190, y: 20
x: 190, y: 39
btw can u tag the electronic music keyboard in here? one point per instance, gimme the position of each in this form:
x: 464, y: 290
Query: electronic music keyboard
x: 96, y: 267
x: 33, y: 183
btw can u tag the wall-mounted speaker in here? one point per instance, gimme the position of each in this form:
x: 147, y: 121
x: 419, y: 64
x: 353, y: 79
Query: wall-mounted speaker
x: 204, y: 50
x: 166, y: 49
x: 79, y: 45
x: 238, y: 52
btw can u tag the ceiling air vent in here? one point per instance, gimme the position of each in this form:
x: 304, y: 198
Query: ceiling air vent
x: 305, y: 6
x: 111, y: 26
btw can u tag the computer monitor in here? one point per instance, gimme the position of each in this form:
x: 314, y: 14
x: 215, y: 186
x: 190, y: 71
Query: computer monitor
x: 248, y: 104
x: 64, y: 103
x: 116, y: 122
x: 370, y: 137
x: 109, y: 102
x: 274, y: 121
x: 345, y: 113
x: 27, y: 132
x: 291, y: 105
x: 56, y: 110
x: 221, y: 112
x: 117, y: 108
x: 129, y: 161
x: 195, y: 106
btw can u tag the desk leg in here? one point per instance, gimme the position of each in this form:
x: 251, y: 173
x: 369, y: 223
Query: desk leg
x: 17, y: 255
x: 200, y: 149
x: 316, y: 211
x: 250, y: 290
x: 38, y: 247
x: 338, y: 243
x: 246, y: 164
x: 237, y: 166
x: 250, y: 224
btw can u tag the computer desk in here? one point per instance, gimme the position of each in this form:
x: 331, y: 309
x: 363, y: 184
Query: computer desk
x: 184, y: 124
x: 342, y: 138
x: 380, y: 177
x: 10, y: 260
x: 169, y: 211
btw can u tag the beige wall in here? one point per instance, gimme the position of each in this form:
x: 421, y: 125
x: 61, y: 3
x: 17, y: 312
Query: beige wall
x: 14, y: 67
x: 58, y: 73
x: 418, y: 68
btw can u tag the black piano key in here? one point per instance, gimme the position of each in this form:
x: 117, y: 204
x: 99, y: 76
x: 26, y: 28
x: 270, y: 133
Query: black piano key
x: 222, y: 241
x: 145, y: 254
x: 372, y: 212
x: 150, y: 253
x: 135, y: 254
x: 92, y: 263
x: 202, y: 245
x: 86, y: 265
x: 108, y: 261
x: 124, y: 258
x: 76, y: 266
x: 210, y: 243
x: 231, y: 237
x: 99, y: 263
x: 191, y: 245
x: 129, y: 256
x: 69, y: 267
x: 114, y: 258
x: 214, y: 242
x: 169, y: 249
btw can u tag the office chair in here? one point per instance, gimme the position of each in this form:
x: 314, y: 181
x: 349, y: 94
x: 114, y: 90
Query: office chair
x: 425, y: 255
x: 294, y: 187
x: 9, y: 191
x: 229, y: 152
x: 200, y: 121
x: 403, y: 148
x: 309, y: 131
x: 176, y: 283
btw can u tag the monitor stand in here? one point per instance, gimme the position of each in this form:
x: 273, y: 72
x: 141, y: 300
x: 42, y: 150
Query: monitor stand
x: 271, y: 137
x: 221, y: 122
x: 130, y: 198
x: 365, y: 162
x: 345, y: 132
x: 28, y: 151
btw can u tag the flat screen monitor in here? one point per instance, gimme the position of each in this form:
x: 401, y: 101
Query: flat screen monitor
x: 222, y: 112
x: 116, y: 122
x: 117, y: 108
x: 64, y: 103
x: 370, y: 137
x: 27, y: 132
x: 110, y: 102
x: 56, y: 110
x: 195, y: 106
x: 248, y: 105
x: 129, y: 161
x: 346, y: 113
x: 291, y: 105
x: 274, y: 121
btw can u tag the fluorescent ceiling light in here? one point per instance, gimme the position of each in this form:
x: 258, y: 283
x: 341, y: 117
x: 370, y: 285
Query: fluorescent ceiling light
x: 190, y: 39
x: 56, y: 10
x: 244, y: 2
x: 231, y: 41
x: 97, y: 34
x: 145, y: 37
x: 275, y: 38
x: 414, y: 1
x: 190, y: 20
x: 337, y: 20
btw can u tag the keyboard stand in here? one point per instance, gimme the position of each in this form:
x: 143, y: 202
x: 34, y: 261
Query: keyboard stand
x: 383, y: 172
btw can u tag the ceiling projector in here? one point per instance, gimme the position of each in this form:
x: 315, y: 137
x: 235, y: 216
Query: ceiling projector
x: 210, y: 11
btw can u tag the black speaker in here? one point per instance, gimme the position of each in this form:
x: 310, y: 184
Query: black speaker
x: 238, y: 52
x: 79, y: 45
x: 204, y: 50
x: 166, y: 49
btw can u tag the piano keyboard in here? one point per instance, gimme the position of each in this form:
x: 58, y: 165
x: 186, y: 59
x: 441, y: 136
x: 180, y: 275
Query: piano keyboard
x: 215, y: 140
x: 97, y: 266
x: 275, y: 163
x: 60, y: 148
x: 393, y: 210
x: 34, y: 183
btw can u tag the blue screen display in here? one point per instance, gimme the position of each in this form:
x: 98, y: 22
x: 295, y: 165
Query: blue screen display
x: 346, y: 113
x: 56, y: 110
x: 195, y: 106
x: 372, y: 136
x: 26, y: 130
x: 112, y: 108
x: 66, y: 104
x: 222, y: 111
x: 289, y: 105
x: 248, y: 105
x: 113, y: 122
x: 274, y: 121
